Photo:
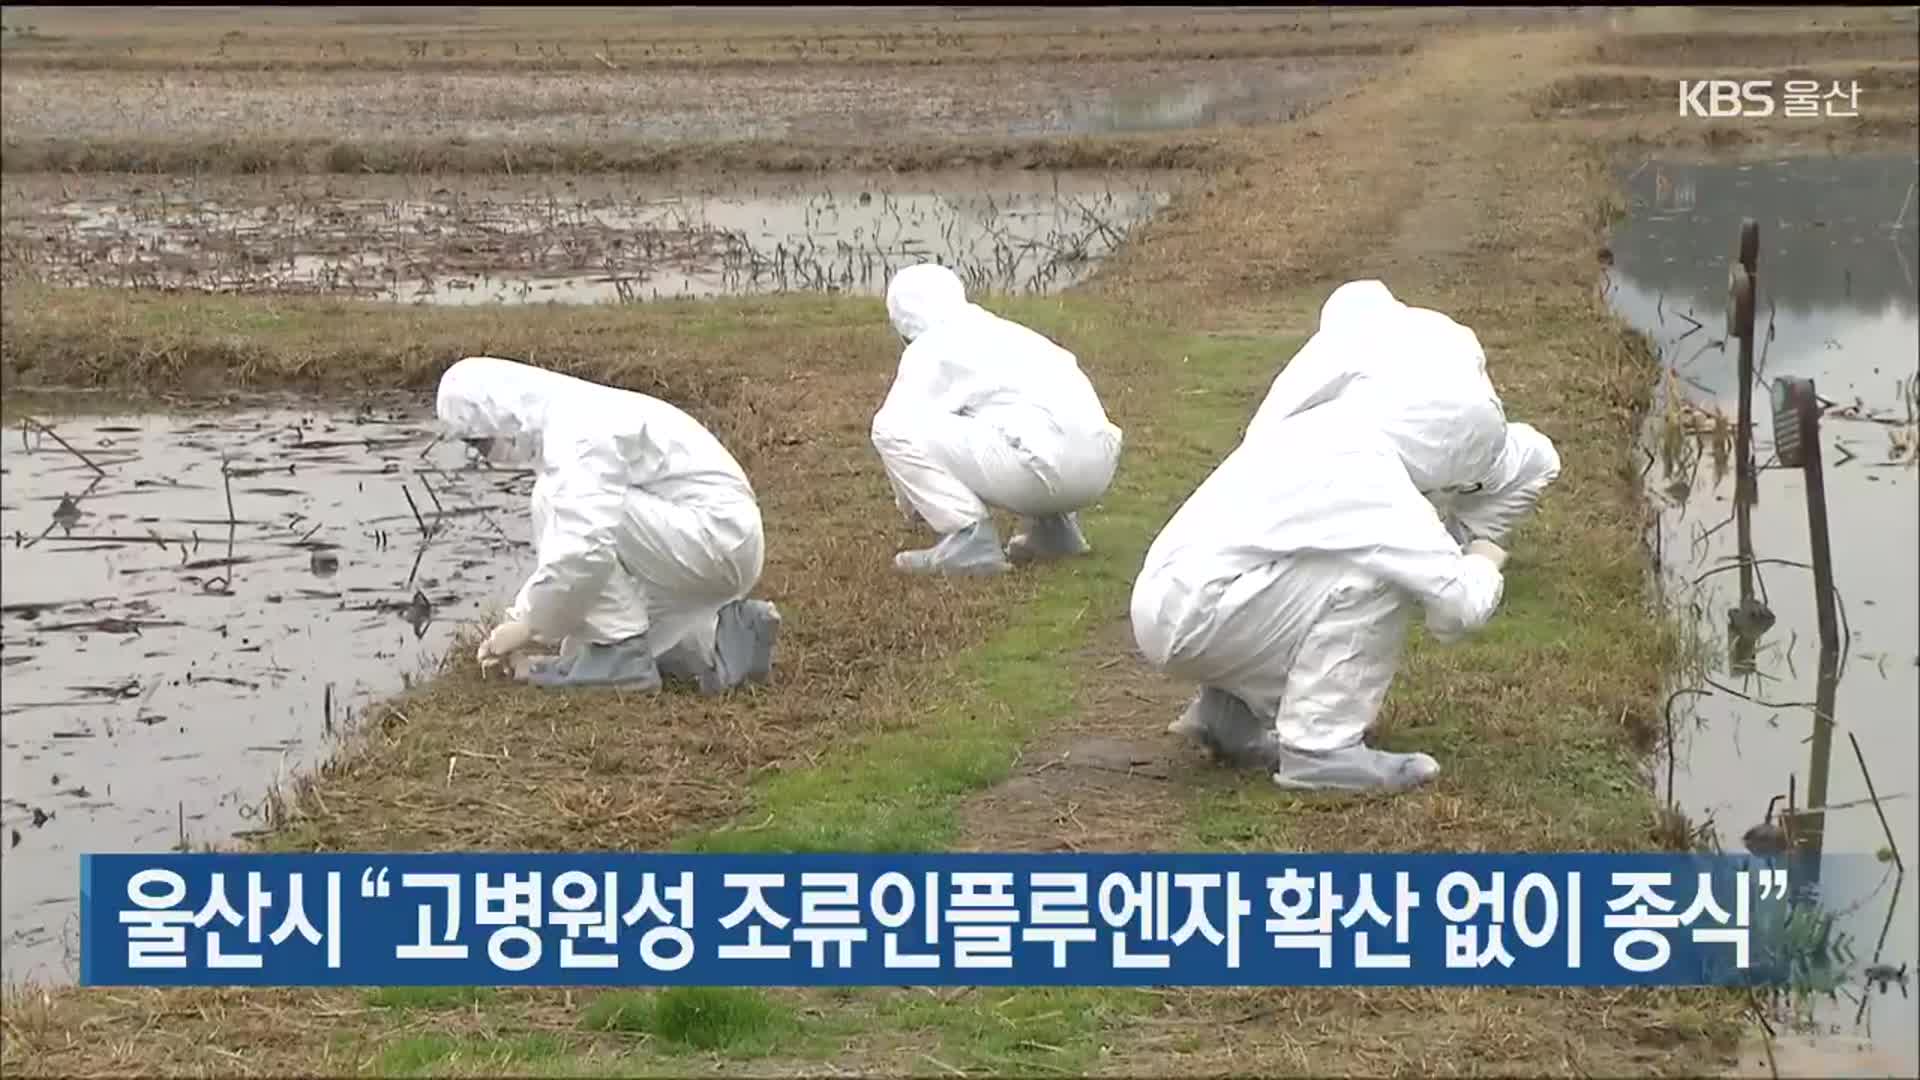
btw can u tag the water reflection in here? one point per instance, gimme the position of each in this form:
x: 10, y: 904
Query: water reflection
x: 196, y: 606
x: 1837, y: 302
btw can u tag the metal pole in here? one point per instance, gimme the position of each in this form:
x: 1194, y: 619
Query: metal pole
x: 1809, y: 408
x: 1810, y: 832
x: 1740, y: 621
x: 1797, y: 435
x: 1750, y: 246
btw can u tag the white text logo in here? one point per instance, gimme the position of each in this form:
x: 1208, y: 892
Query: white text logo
x: 1725, y: 97
x: 1798, y: 98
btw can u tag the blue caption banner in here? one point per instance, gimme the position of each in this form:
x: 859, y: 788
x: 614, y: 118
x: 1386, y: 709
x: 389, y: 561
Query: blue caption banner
x: 927, y: 920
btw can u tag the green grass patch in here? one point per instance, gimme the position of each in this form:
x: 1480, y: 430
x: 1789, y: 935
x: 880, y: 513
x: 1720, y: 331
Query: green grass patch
x: 1505, y: 715
x: 731, y: 1020
x: 1532, y: 718
x: 200, y: 345
x: 627, y: 1011
x: 447, y: 1055
x: 900, y: 790
x: 414, y: 1053
x: 1027, y: 1031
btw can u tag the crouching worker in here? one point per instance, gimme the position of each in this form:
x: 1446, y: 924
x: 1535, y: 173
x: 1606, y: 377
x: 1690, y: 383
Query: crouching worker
x: 1284, y: 584
x: 986, y: 413
x: 1367, y: 338
x: 647, y: 536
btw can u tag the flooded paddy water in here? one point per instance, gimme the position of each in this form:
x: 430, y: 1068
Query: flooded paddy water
x: 567, y: 239
x: 1839, y: 250
x: 195, y: 606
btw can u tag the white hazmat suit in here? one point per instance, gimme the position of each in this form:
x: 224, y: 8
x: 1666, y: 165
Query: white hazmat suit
x: 983, y: 413
x: 1284, y: 583
x: 1366, y: 336
x: 646, y: 532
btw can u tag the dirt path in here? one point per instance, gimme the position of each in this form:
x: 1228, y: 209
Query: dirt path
x: 1424, y: 213
x: 1391, y: 181
x: 1112, y: 763
x: 1106, y: 779
x: 1427, y: 181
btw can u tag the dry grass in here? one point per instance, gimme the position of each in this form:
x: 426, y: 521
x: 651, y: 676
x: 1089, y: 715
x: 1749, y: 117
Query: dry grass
x: 1436, y: 1032
x: 1443, y: 180
x: 1710, y: 55
x: 149, y: 340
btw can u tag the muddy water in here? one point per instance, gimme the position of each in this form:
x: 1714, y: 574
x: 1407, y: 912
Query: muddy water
x: 1839, y: 251
x: 160, y: 675
x: 574, y: 240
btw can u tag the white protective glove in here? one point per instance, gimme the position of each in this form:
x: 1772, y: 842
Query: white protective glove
x: 507, y: 638
x: 1489, y: 551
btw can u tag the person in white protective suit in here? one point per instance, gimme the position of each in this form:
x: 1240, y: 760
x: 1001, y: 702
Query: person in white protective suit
x: 1283, y: 585
x: 986, y: 413
x: 1366, y: 336
x: 647, y: 535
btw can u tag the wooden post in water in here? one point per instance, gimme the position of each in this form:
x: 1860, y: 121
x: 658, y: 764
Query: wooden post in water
x: 1796, y: 424
x: 1746, y: 286
x: 1747, y: 621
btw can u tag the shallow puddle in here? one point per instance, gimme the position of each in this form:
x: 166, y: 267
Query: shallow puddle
x: 572, y: 240
x: 165, y: 668
x: 1839, y: 250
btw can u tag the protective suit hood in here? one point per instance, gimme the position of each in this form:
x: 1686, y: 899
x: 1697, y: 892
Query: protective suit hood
x: 1369, y: 340
x: 1344, y: 481
x: 1448, y: 442
x: 565, y: 425
x: 1356, y: 305
x: 1352, y: 475
x: 923, y: 296
x: 503, y: 402
x: 642, y: 520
